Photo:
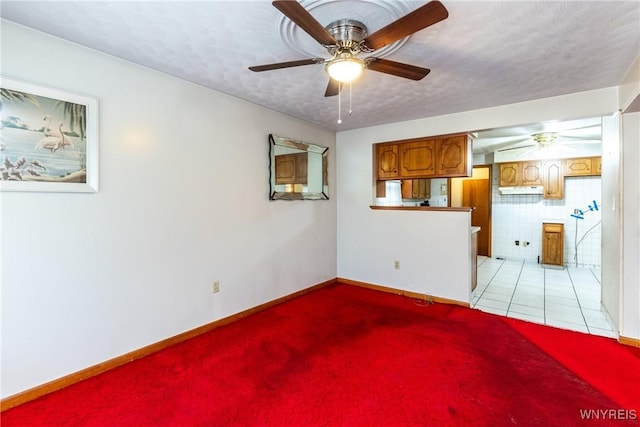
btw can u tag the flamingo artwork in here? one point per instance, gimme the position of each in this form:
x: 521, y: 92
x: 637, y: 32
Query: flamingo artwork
x: 55, y: 141
x: 47, y: 127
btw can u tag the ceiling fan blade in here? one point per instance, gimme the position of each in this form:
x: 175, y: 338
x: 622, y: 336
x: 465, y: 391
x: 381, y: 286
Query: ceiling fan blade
x: 576, y: 138
x: 525, y: 152
x: 417, y: 20
x: 303, y: 19
x: 582, y: 132
x: 565, y: 148
x: 581, y: 142
x: 496, y: 143
x: 288, y: 64
x: 333, y: 88
x: 397, y: 68
x: 572, y: 125
x: 518, y: 148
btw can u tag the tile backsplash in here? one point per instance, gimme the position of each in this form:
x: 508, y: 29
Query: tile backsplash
x: 520, y: 218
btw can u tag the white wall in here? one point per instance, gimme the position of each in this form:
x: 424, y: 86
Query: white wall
x: 629, y: 90
x: 183, y: 200
x: 520, y: 217
x: 630, y: 296
x: 630, y: 130
x: 612, y: 201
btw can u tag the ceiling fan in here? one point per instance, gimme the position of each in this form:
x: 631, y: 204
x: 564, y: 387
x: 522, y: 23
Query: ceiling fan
x: 566, y: 136
x: 347, y: 39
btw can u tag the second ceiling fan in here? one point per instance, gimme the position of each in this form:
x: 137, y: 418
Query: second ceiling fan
x: 346, y: 39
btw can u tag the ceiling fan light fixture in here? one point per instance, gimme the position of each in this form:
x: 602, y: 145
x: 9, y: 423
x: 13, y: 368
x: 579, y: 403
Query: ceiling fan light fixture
x: 545, y: 139
x: 345, y: 67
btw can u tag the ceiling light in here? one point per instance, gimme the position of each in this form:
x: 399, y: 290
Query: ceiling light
x: 545, y: 138
x: 345, y: 67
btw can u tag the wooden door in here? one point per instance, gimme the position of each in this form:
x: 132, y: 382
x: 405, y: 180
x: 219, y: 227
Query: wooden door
x: 476, y: 193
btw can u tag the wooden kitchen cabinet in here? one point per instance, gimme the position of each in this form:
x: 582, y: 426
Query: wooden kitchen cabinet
x: 509, y: 174
x: 585, y: 166
x: 531, y: 173
x: 291, y: 168
x: 553, y: 179
x: 433, y: 157
x: 552, y: 244
x: 596, y: 165
x: 387, y: 161
x: 419, y: 188
x: 453, y: 156
x: 520, y: 174
x: 417, y: 158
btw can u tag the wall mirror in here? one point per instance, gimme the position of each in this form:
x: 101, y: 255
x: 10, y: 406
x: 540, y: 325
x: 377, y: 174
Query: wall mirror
x: 298, y: 170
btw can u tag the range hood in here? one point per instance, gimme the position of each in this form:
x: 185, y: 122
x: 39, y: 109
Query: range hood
x: 532, y: 189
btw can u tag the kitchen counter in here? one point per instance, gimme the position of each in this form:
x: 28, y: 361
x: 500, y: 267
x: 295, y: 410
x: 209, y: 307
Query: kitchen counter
x: 419, y: 208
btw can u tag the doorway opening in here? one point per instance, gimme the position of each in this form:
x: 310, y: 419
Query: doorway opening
x: 475, y: 192
x: 511, y: 281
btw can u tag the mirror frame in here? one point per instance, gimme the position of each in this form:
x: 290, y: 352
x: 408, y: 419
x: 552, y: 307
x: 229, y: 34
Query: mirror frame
x: 278, y: 141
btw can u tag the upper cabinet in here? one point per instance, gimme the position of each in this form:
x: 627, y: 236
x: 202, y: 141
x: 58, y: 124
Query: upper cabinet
x: 553, y: 180
x: 434, y: 157
x: 387, y: 161
x: 548, y: 173
x: 454, y: 156
x: 419, y: 188
x: 510, y: 174
x: 418, y: 159
x: 585, y: 166
x: 291, y: 168
x: 531, y: 173
x: 520, y: 174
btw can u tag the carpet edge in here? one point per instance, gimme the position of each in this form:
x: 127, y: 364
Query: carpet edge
x: 97, y: 369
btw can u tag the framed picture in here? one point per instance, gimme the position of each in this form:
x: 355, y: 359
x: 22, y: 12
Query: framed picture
x: 48, y: 139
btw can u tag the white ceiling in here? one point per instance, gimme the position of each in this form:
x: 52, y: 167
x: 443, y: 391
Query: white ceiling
x: 484, y: 54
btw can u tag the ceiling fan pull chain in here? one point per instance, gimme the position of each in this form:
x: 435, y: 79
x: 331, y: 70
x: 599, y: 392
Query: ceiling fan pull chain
x: 350, y: 99
x: 339, y: 103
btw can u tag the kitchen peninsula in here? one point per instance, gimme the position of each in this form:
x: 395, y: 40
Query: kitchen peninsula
x: 420, y: 208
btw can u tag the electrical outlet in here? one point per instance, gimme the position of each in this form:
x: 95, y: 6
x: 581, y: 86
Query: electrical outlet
x: 216, y: 286
x: 396, y: 265
x: 517, y: 242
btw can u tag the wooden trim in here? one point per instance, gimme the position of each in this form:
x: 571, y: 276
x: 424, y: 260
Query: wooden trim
x: 60, y: 383
x: 91, y: 371
x: 633, y: 342
x: 419, y: 208
x: 409, y: 294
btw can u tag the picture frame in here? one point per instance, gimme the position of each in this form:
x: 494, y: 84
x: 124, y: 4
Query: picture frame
x: 48, y: 139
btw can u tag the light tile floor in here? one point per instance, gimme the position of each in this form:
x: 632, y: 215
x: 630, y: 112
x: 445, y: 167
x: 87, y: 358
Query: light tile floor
x: 566, y: 298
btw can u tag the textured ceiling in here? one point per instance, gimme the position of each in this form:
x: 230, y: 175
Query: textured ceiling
x: 485, y: 54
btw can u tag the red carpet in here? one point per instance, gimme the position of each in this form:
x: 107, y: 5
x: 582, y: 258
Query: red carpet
x: 348, y: 356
